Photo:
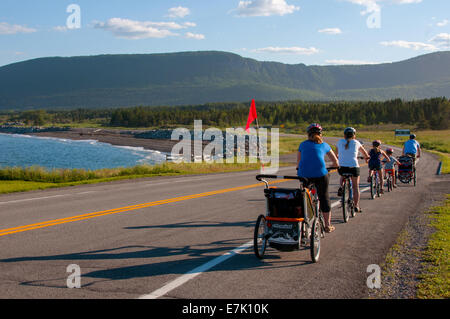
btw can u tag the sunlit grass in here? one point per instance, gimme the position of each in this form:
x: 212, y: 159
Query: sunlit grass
x: 435, y: 281
x: 16, y: 179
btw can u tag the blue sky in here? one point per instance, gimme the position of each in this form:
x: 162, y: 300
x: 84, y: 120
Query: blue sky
x: 314, y: 32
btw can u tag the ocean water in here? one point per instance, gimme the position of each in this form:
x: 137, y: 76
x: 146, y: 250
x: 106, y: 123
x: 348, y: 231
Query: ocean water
x: 24, y: 151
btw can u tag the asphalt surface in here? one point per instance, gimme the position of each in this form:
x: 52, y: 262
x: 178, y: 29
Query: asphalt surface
x: 142, y: 250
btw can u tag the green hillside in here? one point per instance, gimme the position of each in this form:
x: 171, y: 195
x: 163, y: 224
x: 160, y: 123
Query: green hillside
x: 210, y: 76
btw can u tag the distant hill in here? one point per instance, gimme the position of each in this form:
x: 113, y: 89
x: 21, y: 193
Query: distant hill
x: 210, y: 76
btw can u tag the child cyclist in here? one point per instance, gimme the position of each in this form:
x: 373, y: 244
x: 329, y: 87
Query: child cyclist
x: 375, y: 162
x: 389, y: 166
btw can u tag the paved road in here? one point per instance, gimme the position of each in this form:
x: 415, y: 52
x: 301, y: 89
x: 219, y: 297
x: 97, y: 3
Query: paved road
x: 140, y: 238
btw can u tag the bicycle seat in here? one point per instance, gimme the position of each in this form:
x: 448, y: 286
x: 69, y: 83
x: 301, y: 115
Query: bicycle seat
x: 306, y: 182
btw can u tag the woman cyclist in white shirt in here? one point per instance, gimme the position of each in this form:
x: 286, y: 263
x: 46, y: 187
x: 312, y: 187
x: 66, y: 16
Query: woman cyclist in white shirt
x: 347, y: 151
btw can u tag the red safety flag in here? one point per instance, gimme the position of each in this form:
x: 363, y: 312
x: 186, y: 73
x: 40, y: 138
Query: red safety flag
x: 251, y: 115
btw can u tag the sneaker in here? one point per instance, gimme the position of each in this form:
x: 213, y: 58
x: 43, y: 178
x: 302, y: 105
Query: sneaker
x: 358, y: 210
x: 395, y: 186
x: 340, y: 191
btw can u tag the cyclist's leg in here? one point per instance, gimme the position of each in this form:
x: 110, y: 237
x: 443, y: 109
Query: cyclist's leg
x: 321, y: 184
x: 356, y: 194
x: 380, y: 179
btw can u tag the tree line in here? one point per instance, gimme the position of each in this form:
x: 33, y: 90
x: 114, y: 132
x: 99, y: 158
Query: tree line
x: 425, y: 114
x: 429, y: 113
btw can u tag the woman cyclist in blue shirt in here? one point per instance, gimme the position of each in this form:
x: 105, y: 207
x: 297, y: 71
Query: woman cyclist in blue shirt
x: 311, y: 165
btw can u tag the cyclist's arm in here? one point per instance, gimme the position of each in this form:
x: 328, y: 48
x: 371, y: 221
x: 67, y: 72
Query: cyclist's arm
x: 333, y: 158
x: 337, y: 151
x: 299, y: 156
x: 385, y: 155
x: 418, y: 151
x: 364, y: 152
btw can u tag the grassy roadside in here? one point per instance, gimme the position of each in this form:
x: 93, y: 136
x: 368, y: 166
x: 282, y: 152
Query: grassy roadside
x: 35, y: 178
x: 435, y: 280
x: 418, y: 264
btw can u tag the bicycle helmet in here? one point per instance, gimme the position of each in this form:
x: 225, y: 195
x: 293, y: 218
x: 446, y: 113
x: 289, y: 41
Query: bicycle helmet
x: 376, y: 143
x: 349, y: 131
x: 314, y: 128
x: 412, y: 136
x: 389, y: 151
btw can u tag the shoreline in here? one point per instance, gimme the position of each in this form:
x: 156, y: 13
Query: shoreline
x: 113, y: 137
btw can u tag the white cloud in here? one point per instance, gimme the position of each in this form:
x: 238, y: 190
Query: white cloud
x: 288, y: 50
x: 196, y: 36
x: 443, y: 23
x: 60, y: 28
x: 130, y: 29
x: 330, y: 31
x: 406, y: 1
x: 265, y: 8
x: 410, y: 45
x: 442, y: 40
x: 178, y: 12
x: 189, y: 24
x: 6, y: 28
x: 349, y: 62
x: 374, y: 5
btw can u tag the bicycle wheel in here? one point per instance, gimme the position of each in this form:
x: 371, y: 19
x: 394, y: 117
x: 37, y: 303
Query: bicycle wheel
x: 316, y: 234
x: 372, y: 188
x: 259, y: 238
x: 345, y: 197
x: 389, y: 184
x: 378, y: 186
x: 415, y: 177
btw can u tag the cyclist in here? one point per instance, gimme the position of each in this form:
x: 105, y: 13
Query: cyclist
x: 375, y: 162
x: 311, y: 165
x: 347, y: 150
x: 389, y: 166
x: 412, y: 147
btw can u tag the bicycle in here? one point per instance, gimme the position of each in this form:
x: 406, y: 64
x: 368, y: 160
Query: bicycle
x: 291, y: 229
x: 413, y: 156
x: 390, y: 181
x: 348, y: 205
x: 375, y: 184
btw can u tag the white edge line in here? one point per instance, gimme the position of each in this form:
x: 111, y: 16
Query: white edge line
x: 195, y: 272
x: 29, y: 199
x: 205, y: 267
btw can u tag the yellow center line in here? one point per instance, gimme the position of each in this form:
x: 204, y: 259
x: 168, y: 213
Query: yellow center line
x: 18, y: 229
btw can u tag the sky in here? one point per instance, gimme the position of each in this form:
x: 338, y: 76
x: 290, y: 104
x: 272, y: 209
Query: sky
x: 313, y: 32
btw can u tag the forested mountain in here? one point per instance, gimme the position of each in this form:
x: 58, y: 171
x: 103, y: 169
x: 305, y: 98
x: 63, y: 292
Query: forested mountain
x: 210, y: 76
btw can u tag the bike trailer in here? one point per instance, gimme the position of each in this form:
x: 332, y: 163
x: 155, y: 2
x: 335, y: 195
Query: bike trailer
x: 285, y: 210
x: 405, y: 169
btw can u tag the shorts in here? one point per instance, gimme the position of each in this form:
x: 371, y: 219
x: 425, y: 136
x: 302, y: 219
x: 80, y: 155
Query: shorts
x: 387, y: 170
x: 355, y: 171
x: 375, y: 167
x: 321, y: 184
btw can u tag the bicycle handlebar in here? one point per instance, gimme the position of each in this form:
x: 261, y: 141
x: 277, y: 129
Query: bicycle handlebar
x: 260, y: 176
